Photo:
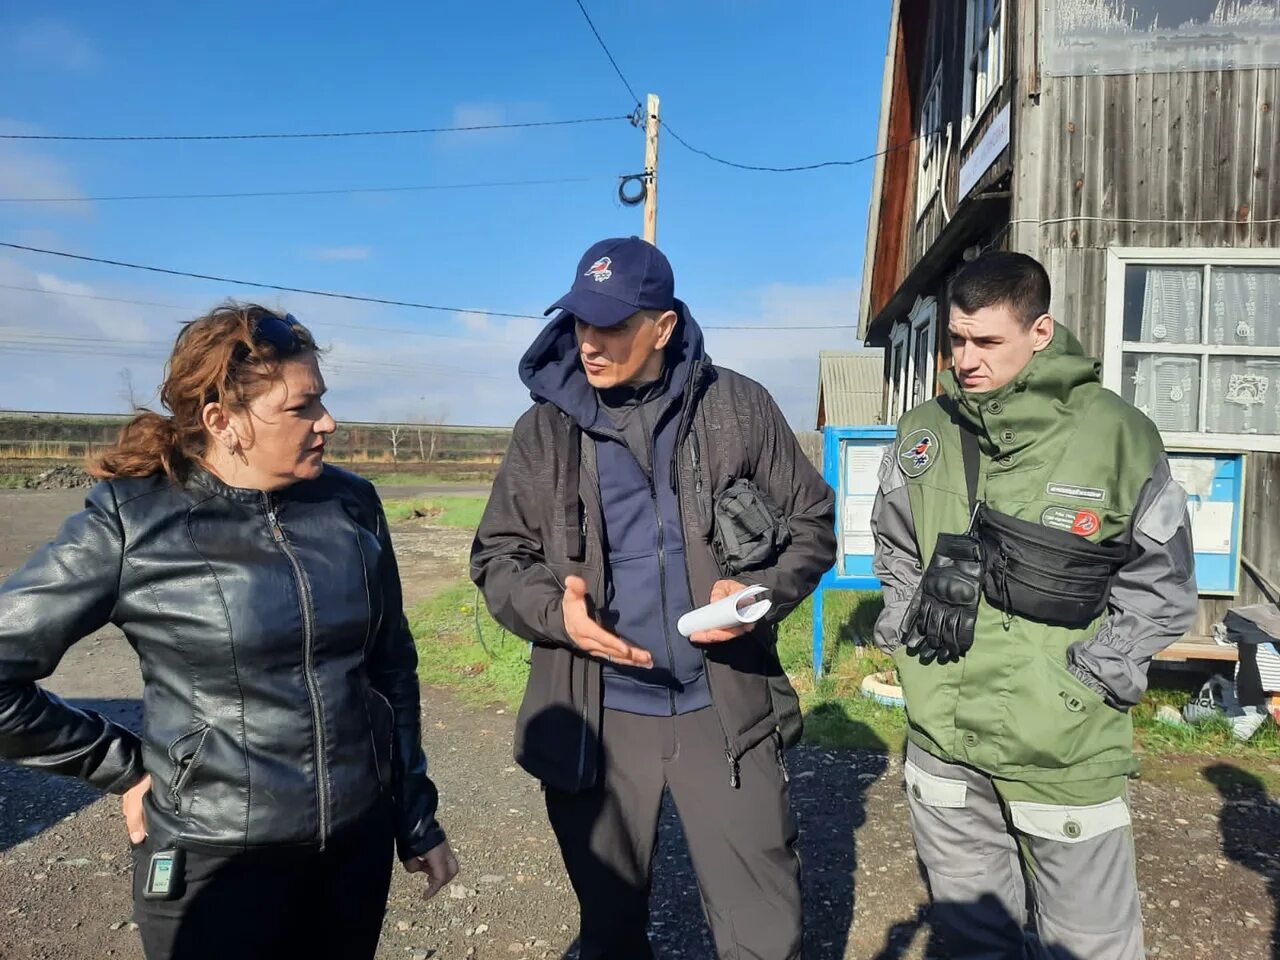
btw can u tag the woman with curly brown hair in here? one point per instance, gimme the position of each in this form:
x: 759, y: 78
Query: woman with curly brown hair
x: 281, y: 751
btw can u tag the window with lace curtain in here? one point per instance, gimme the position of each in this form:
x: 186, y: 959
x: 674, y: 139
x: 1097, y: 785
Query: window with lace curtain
x: 1198, y: 345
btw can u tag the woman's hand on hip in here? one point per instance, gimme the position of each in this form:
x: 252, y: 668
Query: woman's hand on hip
x: 131, y: 805
x: 440, y: 866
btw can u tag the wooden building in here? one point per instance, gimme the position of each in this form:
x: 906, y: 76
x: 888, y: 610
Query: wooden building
x: 1132, y: 146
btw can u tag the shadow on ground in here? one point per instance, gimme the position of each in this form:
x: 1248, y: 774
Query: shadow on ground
x: 828, y: 796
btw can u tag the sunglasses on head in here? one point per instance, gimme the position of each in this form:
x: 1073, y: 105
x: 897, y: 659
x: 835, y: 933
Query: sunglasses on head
x: 277, y: 331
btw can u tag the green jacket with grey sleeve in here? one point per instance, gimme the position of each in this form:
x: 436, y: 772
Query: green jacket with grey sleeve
x: 1032, y: 702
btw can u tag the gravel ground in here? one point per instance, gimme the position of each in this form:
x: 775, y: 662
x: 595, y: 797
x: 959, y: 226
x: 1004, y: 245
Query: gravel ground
x: 1209, y: 858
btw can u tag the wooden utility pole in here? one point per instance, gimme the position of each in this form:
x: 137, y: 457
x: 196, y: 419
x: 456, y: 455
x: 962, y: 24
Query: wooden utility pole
x: 651, y: 171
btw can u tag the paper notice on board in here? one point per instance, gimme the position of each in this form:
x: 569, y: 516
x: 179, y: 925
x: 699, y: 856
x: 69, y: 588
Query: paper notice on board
x: 855, y: 526
x: 1196, y: 474
x: 1212, y: 525
x: 862, y: 468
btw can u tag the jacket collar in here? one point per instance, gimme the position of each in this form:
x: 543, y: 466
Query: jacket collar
x: 202, y: 477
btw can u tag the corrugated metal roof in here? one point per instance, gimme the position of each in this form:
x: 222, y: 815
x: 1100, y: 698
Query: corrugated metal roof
x: 850, y: 387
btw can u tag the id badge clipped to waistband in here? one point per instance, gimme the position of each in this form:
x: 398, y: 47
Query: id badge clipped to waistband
x: 165, y: 871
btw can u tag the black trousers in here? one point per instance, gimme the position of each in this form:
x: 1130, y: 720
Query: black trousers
x: 742, y: 840
x: 273, y: 904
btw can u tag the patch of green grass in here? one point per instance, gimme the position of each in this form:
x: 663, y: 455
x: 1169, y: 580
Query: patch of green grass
x: 1213, y: 737
x: 461, y: 647
x: 449, y: 511
x: 408, y: 479
x: 12, y: 481
x: 837, y: 715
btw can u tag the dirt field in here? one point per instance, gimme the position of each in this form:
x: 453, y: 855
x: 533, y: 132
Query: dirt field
x: 1209, y: 866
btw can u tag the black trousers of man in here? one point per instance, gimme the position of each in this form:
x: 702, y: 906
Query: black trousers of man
x: 271, y: 904
x: 742, y: 840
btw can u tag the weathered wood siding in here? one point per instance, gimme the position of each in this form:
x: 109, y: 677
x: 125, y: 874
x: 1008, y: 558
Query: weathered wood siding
x: 1160, y: 160
x: 925, y: 229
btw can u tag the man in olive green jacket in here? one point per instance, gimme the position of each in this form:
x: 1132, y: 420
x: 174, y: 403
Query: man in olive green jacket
x: 1020, y: 745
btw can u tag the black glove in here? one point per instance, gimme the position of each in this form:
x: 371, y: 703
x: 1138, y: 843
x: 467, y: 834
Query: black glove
x: 940, y: 621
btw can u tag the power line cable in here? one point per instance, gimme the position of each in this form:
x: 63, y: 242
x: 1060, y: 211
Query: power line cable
x: 340, y: 191
x: 265, y: 286
x: 635, y: 98
x: 807, y: 166
x: 369, y: 328
x: 731, y: 163
x: 92, y: 296
x: 471, y: 128
x: 156, y: 350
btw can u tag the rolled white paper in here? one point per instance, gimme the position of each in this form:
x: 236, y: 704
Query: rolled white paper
x: 745, y: 606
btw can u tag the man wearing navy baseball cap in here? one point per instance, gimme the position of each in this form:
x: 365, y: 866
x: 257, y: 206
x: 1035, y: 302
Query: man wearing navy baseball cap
x: 643, y: 483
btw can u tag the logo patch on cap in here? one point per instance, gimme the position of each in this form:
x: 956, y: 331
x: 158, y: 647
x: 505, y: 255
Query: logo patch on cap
x: 601, y: 270
x: 918, y: 452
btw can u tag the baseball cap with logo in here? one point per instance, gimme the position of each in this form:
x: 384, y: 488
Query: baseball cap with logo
x: 617, y: 277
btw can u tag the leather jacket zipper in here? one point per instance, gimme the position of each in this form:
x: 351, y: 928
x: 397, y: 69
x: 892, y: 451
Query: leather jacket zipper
x: 308, y: 671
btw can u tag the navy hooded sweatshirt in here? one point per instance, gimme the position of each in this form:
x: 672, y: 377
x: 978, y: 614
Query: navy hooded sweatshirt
x: 648, y: 582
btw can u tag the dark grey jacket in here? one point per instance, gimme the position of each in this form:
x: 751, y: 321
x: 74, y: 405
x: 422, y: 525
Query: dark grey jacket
x: 280, y: 693
x: 543, y: 523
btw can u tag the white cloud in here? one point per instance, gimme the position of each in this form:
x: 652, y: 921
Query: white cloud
x: 785, y: 361
x: 485, y: 114
x: 60, y: 350
x: 56, y: 43
x: 27, y: 173
x: 341, y: 253
x: 458, y: 365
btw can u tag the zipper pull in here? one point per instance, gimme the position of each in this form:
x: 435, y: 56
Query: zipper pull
x: 782, y: 764
x: 277, y: 533
x: 735, y: 780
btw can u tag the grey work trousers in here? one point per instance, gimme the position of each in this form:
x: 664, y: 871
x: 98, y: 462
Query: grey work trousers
x: 741, y: 839
x: 981, y: 853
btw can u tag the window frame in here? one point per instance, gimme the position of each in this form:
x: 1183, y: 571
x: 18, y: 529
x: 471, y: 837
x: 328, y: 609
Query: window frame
x: 1115, y: 347
x: 920, y: 323
x: 995, y: 39
x: 899, y: 370
x: 929, y: 161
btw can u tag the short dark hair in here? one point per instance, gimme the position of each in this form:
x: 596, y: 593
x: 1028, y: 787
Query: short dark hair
x: 1002, y: 276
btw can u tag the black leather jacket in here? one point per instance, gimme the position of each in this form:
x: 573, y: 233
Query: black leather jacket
x: 280, y: 695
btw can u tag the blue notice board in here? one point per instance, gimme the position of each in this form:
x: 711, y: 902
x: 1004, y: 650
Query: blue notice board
x: 1215, y: 497
x: 851, y: 462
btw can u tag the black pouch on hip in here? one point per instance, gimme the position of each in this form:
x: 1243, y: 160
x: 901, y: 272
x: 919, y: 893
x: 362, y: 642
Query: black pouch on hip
x: 940, y: 622
x: 1050, y: 576
x: 749, y: 529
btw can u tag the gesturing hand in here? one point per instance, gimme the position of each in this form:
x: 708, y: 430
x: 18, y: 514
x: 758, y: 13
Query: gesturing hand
x: 591, y: 638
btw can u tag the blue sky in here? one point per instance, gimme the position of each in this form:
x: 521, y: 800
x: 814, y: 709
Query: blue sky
x: 761, y: 81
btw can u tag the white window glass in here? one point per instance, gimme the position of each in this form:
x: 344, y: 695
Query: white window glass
x: 1244, y: 396
x: 1165, y: 388
x: 1163, y: 304
x: 1084, y: 37
x: 1244, y: 307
